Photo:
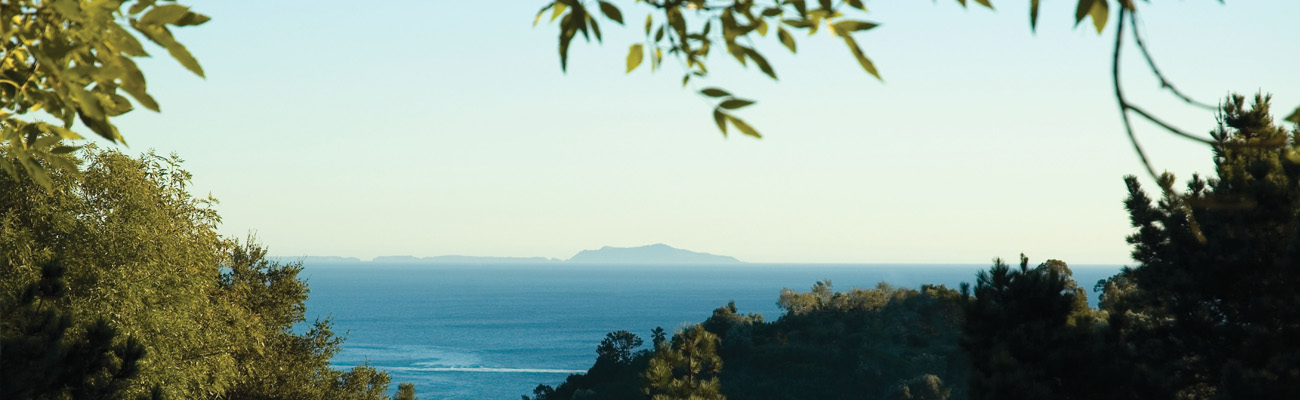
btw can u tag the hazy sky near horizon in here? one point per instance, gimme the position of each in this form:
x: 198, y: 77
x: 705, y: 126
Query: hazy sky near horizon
x: 446, y: 127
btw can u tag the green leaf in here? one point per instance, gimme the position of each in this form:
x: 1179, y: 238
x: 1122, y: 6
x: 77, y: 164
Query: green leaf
x: 862, y: 58
x: 1100, y: 12
x: 64, y: 149
x: 798, y: 23
x: 1082, y: 10
x: 772, y: 12
x: 634, y: 56
x: 786, y: 39
x: 985, y: 3
x: 37, y: 172
x: 595, y: 27
x: 715, y: 92
x: 164, y: 14
x: 538, y: 18
x: 685, y: 78
x: 721, y: 119
x: 64, y: 133
x: 1033, y: 15
x: 1295, y: 116
x: 648, y: 19
x: 762, y: 62
x: 659, y: 35
x: 611, y: 12
x: 743, y: 127
x: 762, y: 28
x: 854, y: 26
x: 566, y: 36
x: 125, y: 42
x: 857, y: 4
x: 732, y: 104
x: 191, y: 19
x: 139, y: 6
x: 557, y: 10
x: 69, y: 8
x: 182, y: 55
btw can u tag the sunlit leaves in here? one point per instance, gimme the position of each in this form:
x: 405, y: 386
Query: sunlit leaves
x: 722, y: 118
x: 690, y: 30
x: 1099, y: 10
x: 72, y: 60
x: 634, y: 56
x: 164, y: 14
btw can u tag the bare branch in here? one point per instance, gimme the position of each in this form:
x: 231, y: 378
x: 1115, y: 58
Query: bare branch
x: 1164, y: 83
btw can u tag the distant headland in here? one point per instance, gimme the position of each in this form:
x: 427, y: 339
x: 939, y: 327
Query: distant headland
x: 652, y: 254
x: 655, y: 253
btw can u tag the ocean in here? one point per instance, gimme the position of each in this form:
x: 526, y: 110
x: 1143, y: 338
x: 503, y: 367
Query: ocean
x: 475, y: 332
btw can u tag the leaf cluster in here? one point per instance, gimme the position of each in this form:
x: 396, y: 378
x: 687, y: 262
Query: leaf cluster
x: 685, y: 30
x: 72, y: 60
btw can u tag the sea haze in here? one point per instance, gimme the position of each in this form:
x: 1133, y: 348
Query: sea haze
x: 486, y: 331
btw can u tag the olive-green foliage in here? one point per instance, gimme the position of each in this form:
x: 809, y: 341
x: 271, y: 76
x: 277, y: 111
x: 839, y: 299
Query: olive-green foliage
x: 616, y: 374
x: 43, y: 359
x: 1030, y: 334
x: 71, y: 60
x: 864, y: 343
x: 686, y: 369
x: 691, y: 29
x: 1218, y: 318
x: 405, y: 391
x: 872, y: 343
x: 143, y: 256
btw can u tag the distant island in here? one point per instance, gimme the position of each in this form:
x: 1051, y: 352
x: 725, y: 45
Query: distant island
x: 652, y: 254
x: 464, y: 260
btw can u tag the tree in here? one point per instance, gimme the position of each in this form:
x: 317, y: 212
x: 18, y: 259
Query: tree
x: 617, y: 347
x: 119, y: 262
x: 687, y: 369
x: 405, y: 391
x: 1030, y: 334
x: 1211, y: 311
x: 72, y: 59
x: 45, y: 359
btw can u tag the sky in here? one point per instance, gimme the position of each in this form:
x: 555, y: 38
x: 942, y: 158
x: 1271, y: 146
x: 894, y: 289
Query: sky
x: 429, y: 128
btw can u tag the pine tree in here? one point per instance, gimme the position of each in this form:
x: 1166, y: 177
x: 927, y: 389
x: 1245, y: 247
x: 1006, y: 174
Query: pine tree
x: 1212, y: 309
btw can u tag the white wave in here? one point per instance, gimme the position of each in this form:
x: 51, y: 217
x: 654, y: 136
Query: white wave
x: 487, y: 369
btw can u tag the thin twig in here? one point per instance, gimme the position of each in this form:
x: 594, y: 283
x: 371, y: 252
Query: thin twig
x: 1167, y: 127
x: 1164, y: 83
x: 1119, y: 96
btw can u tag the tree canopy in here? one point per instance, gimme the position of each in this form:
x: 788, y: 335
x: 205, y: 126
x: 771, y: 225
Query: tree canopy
x: 114, y: 282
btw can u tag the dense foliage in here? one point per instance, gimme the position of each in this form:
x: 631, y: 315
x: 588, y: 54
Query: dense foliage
x: 865, y: 343
x: 1210, y: 312
x: 114, y: 283
x: 65, y: 61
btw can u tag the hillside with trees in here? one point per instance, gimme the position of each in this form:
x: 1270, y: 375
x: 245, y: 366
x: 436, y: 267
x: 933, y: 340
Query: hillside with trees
x: 1209, y: 312
x: 114, y: 284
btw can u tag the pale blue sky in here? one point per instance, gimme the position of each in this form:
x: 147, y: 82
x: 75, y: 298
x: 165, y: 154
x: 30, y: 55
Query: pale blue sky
x: 446, y: 127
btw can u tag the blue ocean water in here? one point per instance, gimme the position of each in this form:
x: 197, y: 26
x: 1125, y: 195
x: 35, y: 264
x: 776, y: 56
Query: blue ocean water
x: 471, y: 332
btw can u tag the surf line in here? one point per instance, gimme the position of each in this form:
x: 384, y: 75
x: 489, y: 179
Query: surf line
x: 487, y: 369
